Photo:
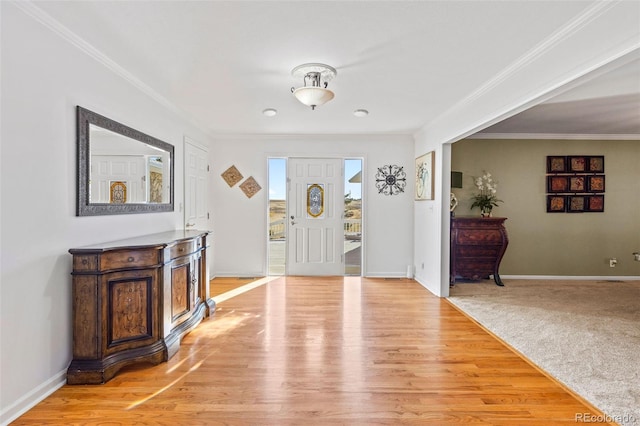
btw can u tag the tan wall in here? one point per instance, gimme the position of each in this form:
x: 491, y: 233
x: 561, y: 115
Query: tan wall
x: 541, y: 243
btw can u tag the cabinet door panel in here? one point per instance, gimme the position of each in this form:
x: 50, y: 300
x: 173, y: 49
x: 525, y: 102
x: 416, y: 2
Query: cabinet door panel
x: 130, y: 306
x: 130, y: 309
x: 180, y: 291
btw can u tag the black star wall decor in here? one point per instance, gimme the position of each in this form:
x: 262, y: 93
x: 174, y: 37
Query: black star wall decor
x: 391, y: 180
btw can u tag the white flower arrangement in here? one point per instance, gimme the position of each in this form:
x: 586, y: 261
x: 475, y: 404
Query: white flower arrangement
x: 486, y: 199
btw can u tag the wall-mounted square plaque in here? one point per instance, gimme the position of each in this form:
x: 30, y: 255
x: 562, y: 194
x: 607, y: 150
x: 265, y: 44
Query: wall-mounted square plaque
x: 250, y: 187
x: 231, y: 176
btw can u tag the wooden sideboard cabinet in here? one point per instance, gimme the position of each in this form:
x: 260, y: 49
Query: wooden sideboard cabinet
x: 477, y: 247
x: 134, y: 299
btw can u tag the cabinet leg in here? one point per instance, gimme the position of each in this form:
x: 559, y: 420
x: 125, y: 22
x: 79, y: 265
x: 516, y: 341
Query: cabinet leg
x: 497, y: 279
x: 211, y: 307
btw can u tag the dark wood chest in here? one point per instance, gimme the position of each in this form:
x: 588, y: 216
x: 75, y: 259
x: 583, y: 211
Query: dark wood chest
x: 477, y: 247
x: 134, y: 299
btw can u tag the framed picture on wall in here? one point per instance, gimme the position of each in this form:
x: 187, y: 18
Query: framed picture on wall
x: 576, y: 203
x: 595, y: 183
x: 425, y: 182
x: 556, y: 164
x: 556, y: 203
x: 595, y: 203
x: 577, y: 184
x: 596, y: 164
x: 557, y: 184
x: 577, y: 163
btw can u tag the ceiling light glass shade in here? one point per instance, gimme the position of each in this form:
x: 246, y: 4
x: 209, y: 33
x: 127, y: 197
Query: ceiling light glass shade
x: 315, y: 77
x: 313, y: 96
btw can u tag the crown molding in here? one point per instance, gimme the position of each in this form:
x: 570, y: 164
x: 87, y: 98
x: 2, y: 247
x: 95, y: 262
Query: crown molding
x: 628, y: 51
x: 382, y: 137
x: 560, y: 136
x: 57, y: 27
x: 587, y: 16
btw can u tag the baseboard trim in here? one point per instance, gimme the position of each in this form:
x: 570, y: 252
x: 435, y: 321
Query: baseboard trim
x: 33, y: 397
x: 571, y: 277
x: 237, y: 274
x: 385, y: 275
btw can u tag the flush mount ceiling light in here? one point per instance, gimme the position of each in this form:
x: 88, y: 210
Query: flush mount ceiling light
x: 361, y: 113
x: 315, y: 77
x: 269, y: 112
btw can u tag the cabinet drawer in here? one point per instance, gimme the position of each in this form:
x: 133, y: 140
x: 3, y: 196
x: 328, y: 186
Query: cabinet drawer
x: 185, y: 247
x: 128, y: 259
x: 478, y: 251
x: 487, y: 236
x: 474, y: 265
x: 85, y: 262
x: 474, y: 274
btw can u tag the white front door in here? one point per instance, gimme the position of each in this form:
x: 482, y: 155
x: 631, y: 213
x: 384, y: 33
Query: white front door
x: 196, y: 168
x: 129, y: 170
x: 315, y: 206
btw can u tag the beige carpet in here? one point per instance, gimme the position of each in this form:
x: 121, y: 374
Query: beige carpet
x: 586, y: 334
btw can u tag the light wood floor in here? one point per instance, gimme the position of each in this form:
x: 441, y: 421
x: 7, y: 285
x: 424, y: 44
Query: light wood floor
x: 220, y: 286
x: 326, y: 351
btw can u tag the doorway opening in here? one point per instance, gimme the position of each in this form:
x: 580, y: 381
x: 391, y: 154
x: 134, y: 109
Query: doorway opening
x: 277, y: 216
x: 353, y: 216
x: 350, y: 218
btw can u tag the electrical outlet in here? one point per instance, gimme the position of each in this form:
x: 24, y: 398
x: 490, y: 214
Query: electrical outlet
x: 636, y: 256
x: 612, y: 262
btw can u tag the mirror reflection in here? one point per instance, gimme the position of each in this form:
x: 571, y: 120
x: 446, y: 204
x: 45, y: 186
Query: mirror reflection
x: 121, y: 170
x: 124, y: 170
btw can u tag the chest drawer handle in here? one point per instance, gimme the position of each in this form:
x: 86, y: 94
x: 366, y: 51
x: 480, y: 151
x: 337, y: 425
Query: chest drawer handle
x: 181, y: 249
x: 85, y: 261
x: 130, y: 259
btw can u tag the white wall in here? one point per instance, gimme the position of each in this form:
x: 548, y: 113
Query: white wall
x: 605, y: 35
x: 428, y: 254
x: 43, y: 79
x: 240, y: 223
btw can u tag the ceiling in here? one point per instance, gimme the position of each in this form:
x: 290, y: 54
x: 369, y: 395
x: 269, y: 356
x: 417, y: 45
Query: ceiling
x: 605, y: 105
x: 222, y: 63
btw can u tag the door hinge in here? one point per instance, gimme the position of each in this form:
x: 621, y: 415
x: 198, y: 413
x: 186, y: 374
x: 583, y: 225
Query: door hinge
x: 207, y: 167
x: 342, y: 258
x: 207, y: 215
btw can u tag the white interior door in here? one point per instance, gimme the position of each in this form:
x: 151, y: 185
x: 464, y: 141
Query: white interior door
x: 129, y: 169
x: 315, y: 206
x: 196, y: 169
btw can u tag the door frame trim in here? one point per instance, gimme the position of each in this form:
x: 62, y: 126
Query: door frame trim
x: 363, y: 195
x: 183, y: 205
